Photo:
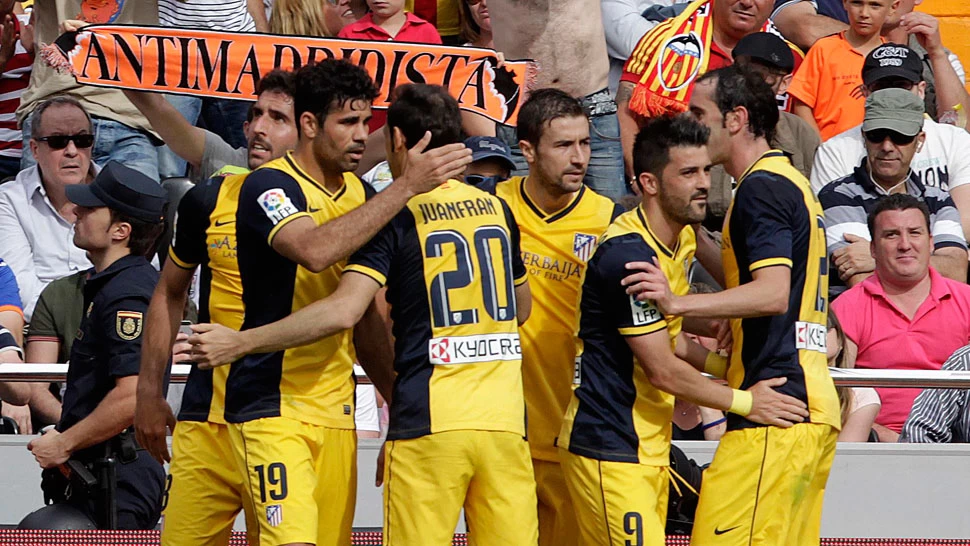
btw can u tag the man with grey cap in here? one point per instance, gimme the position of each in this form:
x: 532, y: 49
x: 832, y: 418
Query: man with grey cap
x: 119, y: 219
x: 491, y: 162
x: 893, y: 133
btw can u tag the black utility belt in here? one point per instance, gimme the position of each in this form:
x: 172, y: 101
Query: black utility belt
x: 123, y: 448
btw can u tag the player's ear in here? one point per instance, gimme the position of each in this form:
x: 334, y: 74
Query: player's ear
x: 648, y: 183
x: 736, y: 120
x: 785, y: 83
x: 309, y: 124
x: 398, y: 141
x: 528, y: 151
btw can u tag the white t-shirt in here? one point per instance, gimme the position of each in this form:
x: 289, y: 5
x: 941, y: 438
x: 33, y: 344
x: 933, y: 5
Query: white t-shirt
x: 366, y: 417
x: 944, y: 160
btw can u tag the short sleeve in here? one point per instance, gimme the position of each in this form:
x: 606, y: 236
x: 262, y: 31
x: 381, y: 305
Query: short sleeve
x: 946, y: 228
x: 630, y: 317
x: 374, y: 258
x: 763, y: 208
x: 9, y: 292
x: 958, y: 160
x: 191, y: 221
x: 42, y: 324
x: 518, y: 266
x: 218, y: 154
x: 269, y: 200
x: 123, y: 322
x: 805, y: 83
x: 843, y: 215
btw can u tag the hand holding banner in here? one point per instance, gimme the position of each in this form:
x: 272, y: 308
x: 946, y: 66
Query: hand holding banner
x: 228, y: 65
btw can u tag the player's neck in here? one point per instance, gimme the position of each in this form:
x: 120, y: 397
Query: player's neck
x: 548, y: 202
x: 665, y: 229
x: 102, y: 259
x: 305, y: 159
x: 744, y: 153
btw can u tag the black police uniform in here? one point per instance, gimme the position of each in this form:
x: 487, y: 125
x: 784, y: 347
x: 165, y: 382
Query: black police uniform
x: 108, y: 347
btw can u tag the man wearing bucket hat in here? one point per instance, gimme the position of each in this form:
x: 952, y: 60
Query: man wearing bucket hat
x: 893, y: 134
x: 119, y: 219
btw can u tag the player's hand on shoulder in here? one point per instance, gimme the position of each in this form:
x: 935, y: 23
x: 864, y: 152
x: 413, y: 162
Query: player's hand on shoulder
x: 426, y: 170
x: 770, y: 407
x: 648, y: 282
x: 214, y: 345
x: 153, y: 416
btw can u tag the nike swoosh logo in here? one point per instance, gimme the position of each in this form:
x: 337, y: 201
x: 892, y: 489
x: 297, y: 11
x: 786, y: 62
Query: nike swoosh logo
x: 220, y: 223
x: 721, y: 532
x: 312, y: 210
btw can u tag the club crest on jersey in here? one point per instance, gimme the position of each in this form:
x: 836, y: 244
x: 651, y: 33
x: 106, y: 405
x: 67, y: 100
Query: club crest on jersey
x: 276, y: 204
x: 683, y: 54
x: 643, y: 313
x: 583, y: 246
x: 274, y: 515
x: 810, y: 336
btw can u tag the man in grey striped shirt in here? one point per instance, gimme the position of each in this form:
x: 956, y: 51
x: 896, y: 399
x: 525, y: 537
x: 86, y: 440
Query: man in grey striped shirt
x: 941, y: 416
x: 893, y: 133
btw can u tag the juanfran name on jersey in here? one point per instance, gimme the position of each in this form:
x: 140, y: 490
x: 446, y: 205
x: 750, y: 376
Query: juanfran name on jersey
x: 810, y: 336
x: 644, y: 313
x: 277, y: 205
x: 474, y: 349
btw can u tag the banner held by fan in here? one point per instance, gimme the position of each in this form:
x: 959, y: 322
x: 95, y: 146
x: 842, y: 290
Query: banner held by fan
x: 228, y: 65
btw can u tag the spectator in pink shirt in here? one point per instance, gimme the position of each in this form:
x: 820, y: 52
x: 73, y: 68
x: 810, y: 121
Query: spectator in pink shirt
x: 906, y: 316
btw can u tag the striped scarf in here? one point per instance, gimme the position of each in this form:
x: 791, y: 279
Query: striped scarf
x: 670, y: 57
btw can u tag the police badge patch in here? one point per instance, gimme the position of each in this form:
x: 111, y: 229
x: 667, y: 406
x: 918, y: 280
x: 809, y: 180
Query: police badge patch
x: 128, y: 324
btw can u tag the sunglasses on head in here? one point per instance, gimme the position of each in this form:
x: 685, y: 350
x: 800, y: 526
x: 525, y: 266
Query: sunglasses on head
x: 59, y: 142
x: 878, y: 136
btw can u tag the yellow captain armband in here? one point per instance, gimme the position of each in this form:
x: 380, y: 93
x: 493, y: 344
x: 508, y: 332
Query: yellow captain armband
x: 715, y: 364
x: 742, y: 402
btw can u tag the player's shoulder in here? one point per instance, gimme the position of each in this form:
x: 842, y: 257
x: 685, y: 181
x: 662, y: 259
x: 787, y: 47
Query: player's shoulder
x: 357, y: 188
x: 600, y: 206
x: 509, y: 189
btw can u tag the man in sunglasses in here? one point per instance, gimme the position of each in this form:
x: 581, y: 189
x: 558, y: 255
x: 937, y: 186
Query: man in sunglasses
x: 893, y: 132
x: 491, y: 162
x: 36, y: 218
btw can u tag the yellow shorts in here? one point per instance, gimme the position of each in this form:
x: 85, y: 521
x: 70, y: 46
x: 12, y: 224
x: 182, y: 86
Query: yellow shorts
x: 301, y: 480
x: 765, y: 486
x: 617, y: 504
x: 204, y: 490
x: 557, y: 520
x: 427, y: 480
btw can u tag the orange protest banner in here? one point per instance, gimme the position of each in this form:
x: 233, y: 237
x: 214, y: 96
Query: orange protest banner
x: 223, y: 64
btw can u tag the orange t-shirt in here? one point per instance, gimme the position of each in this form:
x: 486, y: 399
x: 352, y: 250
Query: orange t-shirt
x: 830, y: 83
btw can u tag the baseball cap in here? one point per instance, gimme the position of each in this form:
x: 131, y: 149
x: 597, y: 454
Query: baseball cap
x: 895, y: 109
x: 767, y: 48
x: 124, y: 190
x: 490, y: 147
x: 892, y: 61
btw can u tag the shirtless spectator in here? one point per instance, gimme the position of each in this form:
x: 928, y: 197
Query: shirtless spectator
x: 566, y: 38
x: 122, y: 133
x: 270, y: 128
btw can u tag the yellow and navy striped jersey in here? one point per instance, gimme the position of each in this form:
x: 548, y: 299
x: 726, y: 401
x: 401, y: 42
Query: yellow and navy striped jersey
x: 776, y: 220
x: 555, y: 250
x: 205, y: 235
x: 615, y: 413
x: 313, y: 383
x: 451, y: 262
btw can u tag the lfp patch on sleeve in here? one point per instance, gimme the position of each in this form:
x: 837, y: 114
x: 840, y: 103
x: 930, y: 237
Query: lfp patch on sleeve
x: 643, y: 313
x: 128, y: 324
x: 277, y: 205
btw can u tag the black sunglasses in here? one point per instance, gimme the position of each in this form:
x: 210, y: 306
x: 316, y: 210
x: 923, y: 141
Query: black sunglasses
x: 878, y: 136
x: 479, y: 181
x: 59, y: 142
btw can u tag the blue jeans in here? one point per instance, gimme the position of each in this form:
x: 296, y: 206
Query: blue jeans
x: 225, y: 117
x: 169, y: 164
x: 605, y: 172
x: 112, y: 141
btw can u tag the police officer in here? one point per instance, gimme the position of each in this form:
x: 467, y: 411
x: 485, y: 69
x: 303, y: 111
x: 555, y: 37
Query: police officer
x: 119, y: 219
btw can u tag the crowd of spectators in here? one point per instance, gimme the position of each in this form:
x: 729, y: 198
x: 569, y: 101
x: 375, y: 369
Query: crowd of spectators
x: 873, y: 109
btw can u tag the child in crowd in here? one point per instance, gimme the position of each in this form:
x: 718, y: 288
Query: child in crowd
x: 388, y: 22
x: 827, y: 89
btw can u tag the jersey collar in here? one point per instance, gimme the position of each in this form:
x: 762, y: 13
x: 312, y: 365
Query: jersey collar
x: 646, y: 225
x: 303, y: 174
x: 550, y: 218
x: 766, y: 155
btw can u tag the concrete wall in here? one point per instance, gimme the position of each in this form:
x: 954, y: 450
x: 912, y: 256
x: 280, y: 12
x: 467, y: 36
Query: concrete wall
x: 954, y: 18
x: 875, y: 490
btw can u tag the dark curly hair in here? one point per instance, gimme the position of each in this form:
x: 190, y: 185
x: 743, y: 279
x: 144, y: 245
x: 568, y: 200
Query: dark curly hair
x: 417, y: 107
x: 739, y: 85
x: 323, y: 87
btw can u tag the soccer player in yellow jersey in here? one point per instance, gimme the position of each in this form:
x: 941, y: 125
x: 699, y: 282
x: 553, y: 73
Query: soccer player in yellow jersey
x: 560, y: 221
x: 766, y: 484
x: 615, y: 439
x: 457, y: 289
x: 204, y: 464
